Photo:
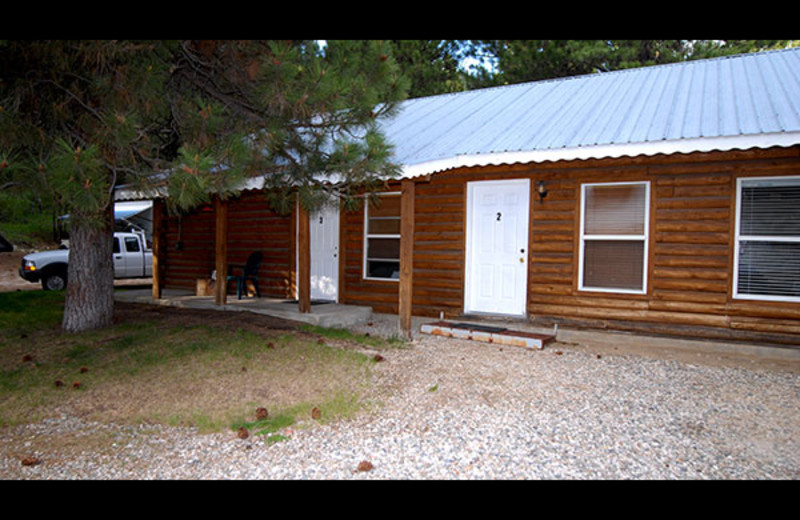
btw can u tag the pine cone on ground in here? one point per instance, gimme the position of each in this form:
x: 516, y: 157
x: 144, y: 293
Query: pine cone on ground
x: 31, y: 461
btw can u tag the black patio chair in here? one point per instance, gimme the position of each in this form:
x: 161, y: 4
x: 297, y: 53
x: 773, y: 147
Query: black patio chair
x: 249, y: 271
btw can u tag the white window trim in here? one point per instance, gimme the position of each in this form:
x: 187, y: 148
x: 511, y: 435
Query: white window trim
x: 367, y: 236
x: 738, y: 238
x: 645, y: 237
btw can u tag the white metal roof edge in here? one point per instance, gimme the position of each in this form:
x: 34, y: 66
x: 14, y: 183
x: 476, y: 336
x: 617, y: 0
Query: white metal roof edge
x: 127, y: 193
x: 703, y: 144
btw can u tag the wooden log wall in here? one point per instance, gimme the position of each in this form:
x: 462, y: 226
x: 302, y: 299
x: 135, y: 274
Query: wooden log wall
x: 438, y: 253
x: 252, y: 226
x: 690, y: 264
x: 189, y: 248
x: 381, y: 295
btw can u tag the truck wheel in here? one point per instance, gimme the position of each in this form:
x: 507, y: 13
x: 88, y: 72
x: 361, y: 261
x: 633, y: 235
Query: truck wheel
x: 54, y: 282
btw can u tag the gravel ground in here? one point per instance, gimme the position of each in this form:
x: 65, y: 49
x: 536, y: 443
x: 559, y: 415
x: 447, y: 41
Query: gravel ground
x: 465, y: 410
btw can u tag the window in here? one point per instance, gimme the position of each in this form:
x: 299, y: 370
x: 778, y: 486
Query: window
x: 131, y: 244
x: 614, y: 236
x: 382, y: 238
x: 767, y: 246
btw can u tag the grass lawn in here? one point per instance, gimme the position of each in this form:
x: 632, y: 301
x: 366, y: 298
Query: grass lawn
x: 207, y: 369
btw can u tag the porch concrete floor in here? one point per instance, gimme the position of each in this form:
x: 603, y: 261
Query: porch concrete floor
x: 322, y: 314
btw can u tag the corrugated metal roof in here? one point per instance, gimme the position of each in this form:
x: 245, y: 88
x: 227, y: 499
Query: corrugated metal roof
x: 743, y: 101
x: 733, y: 102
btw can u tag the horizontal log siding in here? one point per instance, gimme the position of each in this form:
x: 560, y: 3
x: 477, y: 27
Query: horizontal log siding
x: 439, y: 247
x: 252, y: 226
x: 380, y: 295
x: 439, y: 222
x: 195, y: 258
x: 690, y: 267
x: 690, y: 264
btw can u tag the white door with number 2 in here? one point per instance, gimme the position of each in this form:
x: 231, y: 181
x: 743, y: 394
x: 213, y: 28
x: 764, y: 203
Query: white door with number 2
x: 496, y: 271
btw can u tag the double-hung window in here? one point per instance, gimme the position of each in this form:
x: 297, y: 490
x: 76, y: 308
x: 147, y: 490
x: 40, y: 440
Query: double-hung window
x: 614, y: 237
x: 767, y: 243
x: 382, y: 238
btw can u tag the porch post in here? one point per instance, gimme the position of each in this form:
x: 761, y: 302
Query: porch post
x: 158, y: 246
x: 304, y: 260
x: 405, y: 295
x: 221, y: 251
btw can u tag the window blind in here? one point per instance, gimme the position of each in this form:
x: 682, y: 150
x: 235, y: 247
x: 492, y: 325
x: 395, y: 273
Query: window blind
x: 771, y: 209
x: 613, y: 264
x: 615, y: 209
x: 382, y: 238
x: 614, y: 237
x: 768, y: 260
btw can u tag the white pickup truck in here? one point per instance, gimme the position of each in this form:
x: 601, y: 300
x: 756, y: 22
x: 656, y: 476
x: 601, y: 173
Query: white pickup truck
x: 133, y: 258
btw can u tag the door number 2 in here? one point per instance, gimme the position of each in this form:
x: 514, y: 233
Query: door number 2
x: 499, y: 216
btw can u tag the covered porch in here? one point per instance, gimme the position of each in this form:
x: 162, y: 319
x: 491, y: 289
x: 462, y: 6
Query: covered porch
x: 227, y: 229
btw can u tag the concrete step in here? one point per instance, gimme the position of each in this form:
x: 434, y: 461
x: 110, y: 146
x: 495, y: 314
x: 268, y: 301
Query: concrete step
x: 488, y: 334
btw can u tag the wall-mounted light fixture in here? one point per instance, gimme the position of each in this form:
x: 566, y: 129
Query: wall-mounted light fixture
x: 541, y: 190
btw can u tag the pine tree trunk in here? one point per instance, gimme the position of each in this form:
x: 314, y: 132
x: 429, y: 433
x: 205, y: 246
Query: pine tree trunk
x: 89, y: 300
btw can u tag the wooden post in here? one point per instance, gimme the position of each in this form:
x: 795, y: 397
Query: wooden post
x: 158, y: 247
x: 304, y: 260
x: 221, y: 253
x: 405, y: 293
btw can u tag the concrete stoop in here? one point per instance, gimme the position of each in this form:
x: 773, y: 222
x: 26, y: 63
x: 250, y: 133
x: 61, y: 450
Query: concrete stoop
x: 488, y: 334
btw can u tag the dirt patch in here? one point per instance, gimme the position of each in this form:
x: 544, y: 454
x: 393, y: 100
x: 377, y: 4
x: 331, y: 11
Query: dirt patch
x: 197, y: 367
x: 257, y: 323
x: 700, y: 352
x: 9, y: 275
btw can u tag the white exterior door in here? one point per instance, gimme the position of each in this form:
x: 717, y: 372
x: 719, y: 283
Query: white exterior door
x: 324, y: 231
x: 496, y: 272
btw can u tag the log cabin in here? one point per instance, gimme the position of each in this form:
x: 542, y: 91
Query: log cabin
x: 662, y: 200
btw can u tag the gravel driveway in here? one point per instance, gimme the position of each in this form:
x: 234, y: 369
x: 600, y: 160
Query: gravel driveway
x: 465, y: 410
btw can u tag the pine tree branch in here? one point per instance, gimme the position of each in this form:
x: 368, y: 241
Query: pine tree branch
x: 76, y: 98
x: 200, y: 74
